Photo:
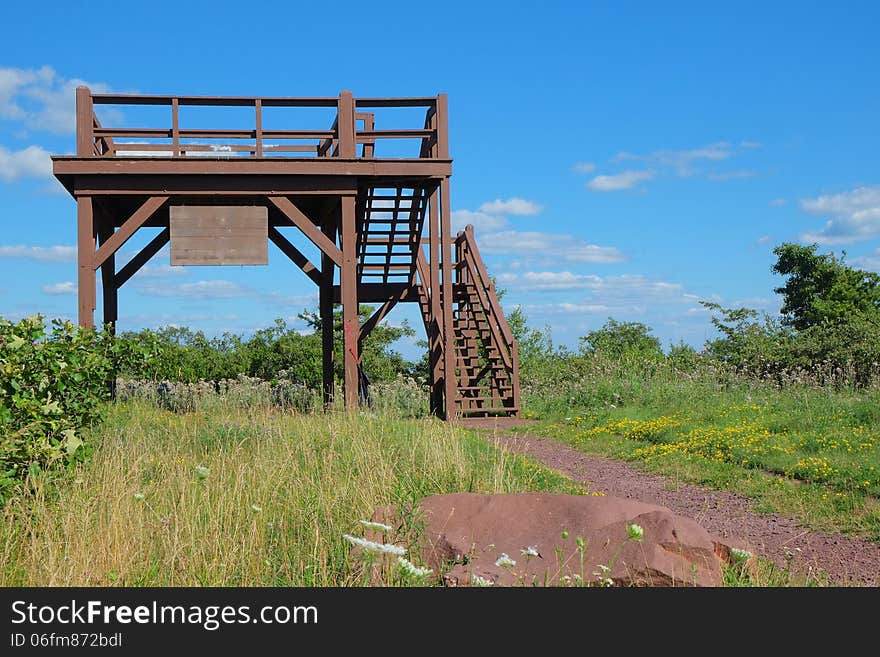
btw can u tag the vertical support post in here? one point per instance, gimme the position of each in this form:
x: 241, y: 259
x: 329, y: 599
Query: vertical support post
x: 325, y: 309
x: 258, y: 110
x: 350, y: 318
x: 449, y: 382
x: 109, y: 288
x: 86, y: 256
x: 434, y: 325
x: 85, y: 123
x: 175, y: 127
x: 345, y: 125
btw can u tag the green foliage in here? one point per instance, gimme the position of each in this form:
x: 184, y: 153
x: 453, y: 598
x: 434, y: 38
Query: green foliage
x: 822, y: 288
x: 52, y: 384
x: 273, y: 353
x: 621, y: 339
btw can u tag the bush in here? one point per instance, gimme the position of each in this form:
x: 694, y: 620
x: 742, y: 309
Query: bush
x: 52, y: 384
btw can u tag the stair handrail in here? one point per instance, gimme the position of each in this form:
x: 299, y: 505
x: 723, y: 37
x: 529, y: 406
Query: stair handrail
x: 486, y: 290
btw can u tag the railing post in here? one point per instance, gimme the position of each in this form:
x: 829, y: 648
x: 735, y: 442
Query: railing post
x: 440, y: 120
x: 175, y: 127
x: 345, y: 125
x: 258, y: 117
x: 85, y: 123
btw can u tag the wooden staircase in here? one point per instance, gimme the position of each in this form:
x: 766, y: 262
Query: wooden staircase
x: 391, y: 260
x: 486, y: 353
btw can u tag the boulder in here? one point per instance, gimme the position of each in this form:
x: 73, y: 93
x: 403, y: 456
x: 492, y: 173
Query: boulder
x: 555, y: 539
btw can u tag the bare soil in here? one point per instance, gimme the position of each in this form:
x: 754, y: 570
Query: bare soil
x: 727, y: 515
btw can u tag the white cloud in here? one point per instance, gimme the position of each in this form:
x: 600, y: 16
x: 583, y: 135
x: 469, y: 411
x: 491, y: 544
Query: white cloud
x: 732, y: 175
x: 854, y: 216
x: 750, y: 144
x: 544, y: 280
x: 583, y: 167
x: 627, y: 294
x: 40, y: 253
x: 41, y: 99
x: 681, y: 161
x: 871, y: 262
x: 216, y: 289
x: 67, y: 287
x: 555, y: 246
x: 481, y: 221
x: 515, y: 206
x: 619, y: 181
x: 764, y: 239
x: 777, y: 202
x: 581, y: 308
x: 30, y: 162
x: 161, y: 271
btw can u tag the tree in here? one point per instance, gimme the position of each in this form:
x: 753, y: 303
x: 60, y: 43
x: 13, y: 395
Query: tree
x: 822, y: 288
x: 618, y: 339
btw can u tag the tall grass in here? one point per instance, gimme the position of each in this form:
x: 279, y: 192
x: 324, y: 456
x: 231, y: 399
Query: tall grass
x: 239, y: 496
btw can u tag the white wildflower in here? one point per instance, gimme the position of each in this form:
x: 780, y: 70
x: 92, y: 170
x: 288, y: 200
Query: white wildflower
x: 741, y: 555
x: 411, y: 569
x: 375, y: 525
x: 138, y: 496
x: 531, y: 551
x: 202, y: 472
x: 371, y: 546
x: 476, y: 580
x: 504, y: 561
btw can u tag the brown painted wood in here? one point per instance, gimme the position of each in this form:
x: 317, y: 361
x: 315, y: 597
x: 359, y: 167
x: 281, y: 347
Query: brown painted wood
x: 152, y: 248
x: 121, y: 236
x: 85, y: 256
x: 219, y: 234
x: 308, y: 228
x: 346, y: 125
x: 350, y: 318
x: 330, y: 221
x: 295, y: 255
x: 449, y: 393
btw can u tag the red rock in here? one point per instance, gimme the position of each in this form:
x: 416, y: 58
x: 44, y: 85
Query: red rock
x: 465, y: 533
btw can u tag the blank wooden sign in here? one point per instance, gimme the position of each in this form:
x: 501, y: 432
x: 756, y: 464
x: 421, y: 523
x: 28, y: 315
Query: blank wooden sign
x: 219, y: 235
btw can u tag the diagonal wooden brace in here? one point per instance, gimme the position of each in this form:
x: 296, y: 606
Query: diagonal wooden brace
x: 142, y: 257
x: 135, y: 221
x: 301, y: 221
x: 295, y: 255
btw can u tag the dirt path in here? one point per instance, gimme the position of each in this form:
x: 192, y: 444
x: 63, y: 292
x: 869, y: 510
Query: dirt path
x: 725, y: 514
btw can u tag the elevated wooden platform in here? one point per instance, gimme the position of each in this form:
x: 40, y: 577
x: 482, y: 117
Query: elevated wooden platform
x: 382, y: 223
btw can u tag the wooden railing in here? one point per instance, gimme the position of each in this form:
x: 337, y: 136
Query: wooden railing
x: 340, y: 140
x: 471, y: 265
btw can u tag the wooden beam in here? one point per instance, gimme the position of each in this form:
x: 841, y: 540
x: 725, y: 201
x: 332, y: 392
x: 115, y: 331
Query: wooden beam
x: 108, y: 277
x: 85, y: 221
x: 128, y: 229
x: 350, y: 318
x: 449, y: 379
x: 377, y: 317
x: 346, y: 125
x: 325, y: 307
x: 295, y: 255
x: 85, y: 122
x: 305, y: 224
x: 141, y: 258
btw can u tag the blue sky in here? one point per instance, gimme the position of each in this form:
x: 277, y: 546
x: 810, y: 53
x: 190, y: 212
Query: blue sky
x: 621, y: 159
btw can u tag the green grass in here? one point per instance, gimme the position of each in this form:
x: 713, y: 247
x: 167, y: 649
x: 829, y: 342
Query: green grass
x: 809, y: 452
x: 278, y: 493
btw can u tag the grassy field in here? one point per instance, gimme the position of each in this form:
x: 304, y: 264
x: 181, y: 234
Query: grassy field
x: 239, y: 496
x: 810, y: 452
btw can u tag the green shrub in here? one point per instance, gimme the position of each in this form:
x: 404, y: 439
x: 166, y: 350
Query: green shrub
x: 52, y: 384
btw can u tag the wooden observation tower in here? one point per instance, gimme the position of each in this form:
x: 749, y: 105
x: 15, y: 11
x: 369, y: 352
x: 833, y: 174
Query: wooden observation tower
x: 380, y: 223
